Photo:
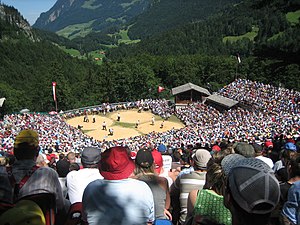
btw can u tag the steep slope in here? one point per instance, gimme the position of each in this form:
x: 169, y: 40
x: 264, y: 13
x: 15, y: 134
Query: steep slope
x: 165, y: 15
x: 16, y: 22
x: 92, y: 15
x: 251, y: 28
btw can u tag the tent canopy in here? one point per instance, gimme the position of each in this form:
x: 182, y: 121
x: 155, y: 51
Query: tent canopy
x: 2, y: 101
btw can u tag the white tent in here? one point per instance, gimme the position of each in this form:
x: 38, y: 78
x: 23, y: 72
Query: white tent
x: 24, y: 111
x: 2, y: 101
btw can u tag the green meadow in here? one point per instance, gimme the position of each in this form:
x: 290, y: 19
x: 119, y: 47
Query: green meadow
x: 293, y: 17
x: 250, y: 35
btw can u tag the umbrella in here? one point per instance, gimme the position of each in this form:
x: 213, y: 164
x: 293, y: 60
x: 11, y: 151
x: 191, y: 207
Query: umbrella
x: 24, y: 111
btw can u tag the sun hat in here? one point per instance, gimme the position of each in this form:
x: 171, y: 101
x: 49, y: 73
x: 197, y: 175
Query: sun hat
x: 158, y: 160
x: 144, y: 158
x: 230, y: 161
x: 90, y: 155
x: 116, y: 164
x: 24, y: 212
x: 201, y: 158
x: 27, y: 136
x: 253, y: 186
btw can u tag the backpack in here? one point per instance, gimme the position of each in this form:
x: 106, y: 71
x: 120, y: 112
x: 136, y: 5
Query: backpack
x: 45, y: 201
x: 24, y: 212
x: 17, y: 187
x: 9, y: 202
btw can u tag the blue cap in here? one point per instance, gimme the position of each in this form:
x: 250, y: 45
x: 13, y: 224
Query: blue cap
x: 290, y: 146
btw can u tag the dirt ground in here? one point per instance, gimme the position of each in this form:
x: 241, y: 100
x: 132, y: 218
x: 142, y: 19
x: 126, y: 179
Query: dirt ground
x: 126, y: 127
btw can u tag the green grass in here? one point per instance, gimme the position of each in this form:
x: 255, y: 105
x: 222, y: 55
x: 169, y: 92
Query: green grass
x: 86, y: 131
x: 88, y: 4
x: 293, y: 17
x: 125, y: 39
x: 250, y: 35
x: 76, y: 30
x: 126, y: 5
x: 274, y: 37
x: 123, y: 124
x: 93, y: 54
x: 174, y: 119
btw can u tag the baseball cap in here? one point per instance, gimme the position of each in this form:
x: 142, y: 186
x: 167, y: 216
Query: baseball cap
x: 116, y: 164
x: 201, y: 158
x: 254, y: 186
x: 90, y: 155
x: 24, y: 212
x: 230, y: 161
x: 290, y: 146
x: 144, y: 158
x: 27, y: 136
x: 158, y: 161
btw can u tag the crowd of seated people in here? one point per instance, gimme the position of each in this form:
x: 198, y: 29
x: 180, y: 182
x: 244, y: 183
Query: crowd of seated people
x: 215, y: 147
x: 265, y: 97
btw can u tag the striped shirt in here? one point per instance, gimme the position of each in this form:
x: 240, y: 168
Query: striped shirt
x: 185, y: 184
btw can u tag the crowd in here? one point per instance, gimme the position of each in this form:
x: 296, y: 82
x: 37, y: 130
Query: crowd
x: 265, y: 97
x: 188, y: 176
x: 205, y: 125
x: 234, y: 185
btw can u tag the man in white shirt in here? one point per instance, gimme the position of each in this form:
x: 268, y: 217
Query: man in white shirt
x: 117, y: 199
x: 78, y: 180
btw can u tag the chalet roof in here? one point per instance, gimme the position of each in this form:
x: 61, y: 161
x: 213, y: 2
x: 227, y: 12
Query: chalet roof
x: 187, y: 87
x: 226, y: 102
x: 2, y: 101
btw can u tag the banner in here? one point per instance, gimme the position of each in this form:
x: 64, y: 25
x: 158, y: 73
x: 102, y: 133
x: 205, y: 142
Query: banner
x: 54, y: 91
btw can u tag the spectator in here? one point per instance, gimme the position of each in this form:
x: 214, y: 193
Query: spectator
x: 62, y: 165
x: 41, y: 180
x: 186, y: 183
x: 244, y: 149
x: 252, y: 192
x: 290, y: 210
x: 144, y: 171
x: 259, y: 155
x: 117, y: 199
x: 41, y: 161
x: 78, y: 180
x: 209, y: 201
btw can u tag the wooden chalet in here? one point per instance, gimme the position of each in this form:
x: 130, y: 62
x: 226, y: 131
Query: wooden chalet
x: 189, y: 93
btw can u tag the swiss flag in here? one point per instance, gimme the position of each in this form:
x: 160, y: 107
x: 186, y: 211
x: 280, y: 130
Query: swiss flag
x: 160, y: 89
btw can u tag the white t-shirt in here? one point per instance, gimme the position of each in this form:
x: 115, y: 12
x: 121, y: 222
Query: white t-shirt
x: 78, y: 180
x: 122, y: 202
x: 266, y: 160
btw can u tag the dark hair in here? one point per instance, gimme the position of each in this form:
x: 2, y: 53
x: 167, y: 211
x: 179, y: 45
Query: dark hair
x: 294, y: 167
x: 25, y: 151
x: 74, y: 166
x: 62, y: 156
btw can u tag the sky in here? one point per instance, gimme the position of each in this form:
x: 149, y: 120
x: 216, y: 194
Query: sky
x: 30, y: 9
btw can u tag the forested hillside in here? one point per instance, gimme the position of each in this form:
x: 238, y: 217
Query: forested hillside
x: 264, y: 33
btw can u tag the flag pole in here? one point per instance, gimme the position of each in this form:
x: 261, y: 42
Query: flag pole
x: 54, y: 94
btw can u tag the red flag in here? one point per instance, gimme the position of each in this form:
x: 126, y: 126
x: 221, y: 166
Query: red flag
x: 53, y: 88
x: 160, y: 89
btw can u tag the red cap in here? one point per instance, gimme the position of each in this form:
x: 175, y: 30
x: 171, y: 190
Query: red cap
x: 216, y: 148
x: 158, y: 160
